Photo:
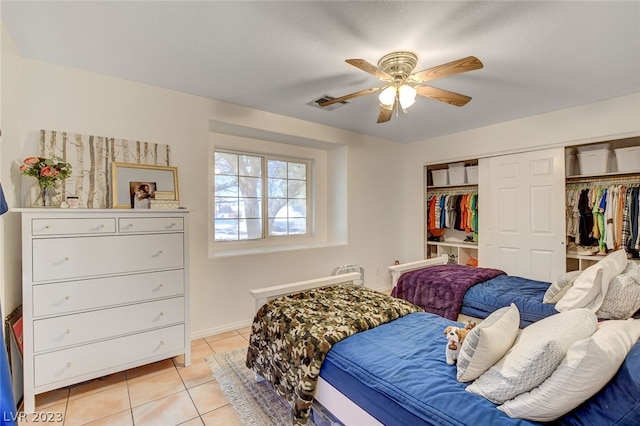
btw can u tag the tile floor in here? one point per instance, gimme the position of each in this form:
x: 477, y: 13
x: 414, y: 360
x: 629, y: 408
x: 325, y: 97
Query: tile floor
x: 164, y: 393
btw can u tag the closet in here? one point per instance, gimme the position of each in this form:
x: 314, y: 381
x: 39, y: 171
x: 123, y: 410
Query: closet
x: 525, y: 208
x: 451, y: 211
x: 602, y: 200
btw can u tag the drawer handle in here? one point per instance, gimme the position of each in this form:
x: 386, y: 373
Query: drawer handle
x: 46, y: 227
x: 68, y: 365
x: 161, y: 342
x: 67, y: 297
x: 161, y: 313
x: 67, y: 258
x: 68, y: 331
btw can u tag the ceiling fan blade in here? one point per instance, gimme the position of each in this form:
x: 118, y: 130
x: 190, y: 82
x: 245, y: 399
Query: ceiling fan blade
x: 442, y: 95
x: 385, y: 114
x: 469, y: 63
x: 370, y: 68
x: 349, y: 96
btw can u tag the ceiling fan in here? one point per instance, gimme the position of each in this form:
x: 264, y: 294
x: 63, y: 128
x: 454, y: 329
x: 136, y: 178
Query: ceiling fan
x: 399, y: 91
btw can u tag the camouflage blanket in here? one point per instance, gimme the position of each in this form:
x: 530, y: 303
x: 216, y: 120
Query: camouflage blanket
x: 292, y: 335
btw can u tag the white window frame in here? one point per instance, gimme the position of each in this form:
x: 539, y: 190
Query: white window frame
x: 327, y: 219
x: 265, y: 219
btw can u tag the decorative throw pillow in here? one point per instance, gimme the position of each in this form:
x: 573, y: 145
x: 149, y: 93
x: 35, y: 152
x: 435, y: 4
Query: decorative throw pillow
x: 487, y: 342
x: 559, y: 287
x: 618, y: 402
x: 588, y: 366
x: 622, y: 299
x: 590, y: 287
x: 536, y: 353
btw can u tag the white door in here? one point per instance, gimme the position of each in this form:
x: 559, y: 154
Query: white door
x: 521, y: 211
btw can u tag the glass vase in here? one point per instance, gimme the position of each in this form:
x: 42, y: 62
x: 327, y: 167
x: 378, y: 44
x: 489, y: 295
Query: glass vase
x: 49, y: 197
x: 44, y: 196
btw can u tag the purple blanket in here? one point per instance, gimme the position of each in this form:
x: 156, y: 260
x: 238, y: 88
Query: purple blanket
x: 440, y: 289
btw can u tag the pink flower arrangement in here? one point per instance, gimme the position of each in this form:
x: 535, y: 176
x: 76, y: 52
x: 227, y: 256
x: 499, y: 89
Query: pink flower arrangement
x: 47, y: 170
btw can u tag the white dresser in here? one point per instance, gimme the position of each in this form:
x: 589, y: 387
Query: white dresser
x: 104, y: 290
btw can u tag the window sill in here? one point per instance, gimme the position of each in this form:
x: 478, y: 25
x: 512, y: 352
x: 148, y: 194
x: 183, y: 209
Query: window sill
x: 222, y: 253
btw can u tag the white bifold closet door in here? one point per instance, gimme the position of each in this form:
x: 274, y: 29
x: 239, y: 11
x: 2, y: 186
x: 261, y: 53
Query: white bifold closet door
x: 521, y: 214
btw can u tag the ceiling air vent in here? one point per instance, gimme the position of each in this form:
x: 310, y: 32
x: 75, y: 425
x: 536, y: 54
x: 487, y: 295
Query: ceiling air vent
x: 316, y: 103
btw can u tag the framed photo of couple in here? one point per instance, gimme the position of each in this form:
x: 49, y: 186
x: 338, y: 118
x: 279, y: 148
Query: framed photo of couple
x: 134, y: 185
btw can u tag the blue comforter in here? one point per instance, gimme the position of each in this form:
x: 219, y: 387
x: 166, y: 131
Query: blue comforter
x: 397, y: 372
x: 484, y: 298
x: 406, y: 380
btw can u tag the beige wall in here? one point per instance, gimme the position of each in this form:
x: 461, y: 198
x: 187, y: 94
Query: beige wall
x: 611, y: 119
x: 55, y: 97
x: 10, y: 120
x: 384, y: 207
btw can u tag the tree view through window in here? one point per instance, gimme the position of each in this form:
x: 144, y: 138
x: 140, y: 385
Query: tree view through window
x: 258, y: 196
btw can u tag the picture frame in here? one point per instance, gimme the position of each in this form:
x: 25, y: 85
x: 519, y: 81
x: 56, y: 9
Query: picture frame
x: 141, y: 194
x: 123, y: 175
x: 14, y: 331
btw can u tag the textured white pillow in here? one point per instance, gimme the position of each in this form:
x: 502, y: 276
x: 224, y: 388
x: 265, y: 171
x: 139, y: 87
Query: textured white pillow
x: 560, y: 286
x: 591, y: 286
x: 622, y: 299
x: 588, y: 366
x: 487, y: 342
x: 536, y: 353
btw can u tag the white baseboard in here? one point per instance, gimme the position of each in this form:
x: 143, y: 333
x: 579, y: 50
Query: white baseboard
x: 222, y: 329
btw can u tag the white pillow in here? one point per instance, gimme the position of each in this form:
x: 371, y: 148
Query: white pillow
x: 588, y: 366
x: 559, y: 287
x: 487, y: 342
x: 536, y: 353
x: 622, y: 299
x: 591, y: 286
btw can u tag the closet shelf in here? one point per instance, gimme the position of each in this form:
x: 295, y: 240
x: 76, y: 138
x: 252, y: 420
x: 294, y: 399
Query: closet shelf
x: 453, y: 187
x: 594, y: 178
x: 452, y: 244
x: 592, y: 257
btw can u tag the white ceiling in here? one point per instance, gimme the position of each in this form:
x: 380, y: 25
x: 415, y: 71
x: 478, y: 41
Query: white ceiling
x: 278, y: 56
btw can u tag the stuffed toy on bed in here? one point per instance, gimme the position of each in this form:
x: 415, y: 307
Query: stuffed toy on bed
x: 455, y: 337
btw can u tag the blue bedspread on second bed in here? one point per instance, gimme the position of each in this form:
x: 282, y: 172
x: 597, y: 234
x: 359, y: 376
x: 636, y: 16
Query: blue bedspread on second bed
x: 484, y: 298
x: 407, y: 381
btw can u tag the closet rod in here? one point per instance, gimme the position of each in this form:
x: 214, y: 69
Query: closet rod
x: 453, y: 190
x: 629, y: 180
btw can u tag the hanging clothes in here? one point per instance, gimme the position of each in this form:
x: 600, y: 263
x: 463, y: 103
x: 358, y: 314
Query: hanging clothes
x: 453, y: 211
x: 606, y: 216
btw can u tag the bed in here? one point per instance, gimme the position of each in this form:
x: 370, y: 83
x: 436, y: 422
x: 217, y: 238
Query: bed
x: 459, y: 291
x: 394, y: 373
x: 451, y: 290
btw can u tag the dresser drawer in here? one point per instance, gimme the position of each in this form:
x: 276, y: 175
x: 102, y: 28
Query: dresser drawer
x: 69, y: 330
x: 79, y: 257
x: 150, y: 224
x: 73, y: 226
x: 73, y: 296
x: 108, y: 354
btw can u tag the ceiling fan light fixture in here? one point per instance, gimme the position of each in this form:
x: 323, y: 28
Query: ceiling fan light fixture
x: 407, y: 96
x: 387, y: 97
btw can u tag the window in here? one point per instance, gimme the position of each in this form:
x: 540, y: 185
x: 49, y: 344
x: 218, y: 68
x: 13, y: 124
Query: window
x: 260, y: 196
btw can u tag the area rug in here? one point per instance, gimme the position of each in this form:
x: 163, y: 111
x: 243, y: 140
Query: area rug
x: 255, y: 402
